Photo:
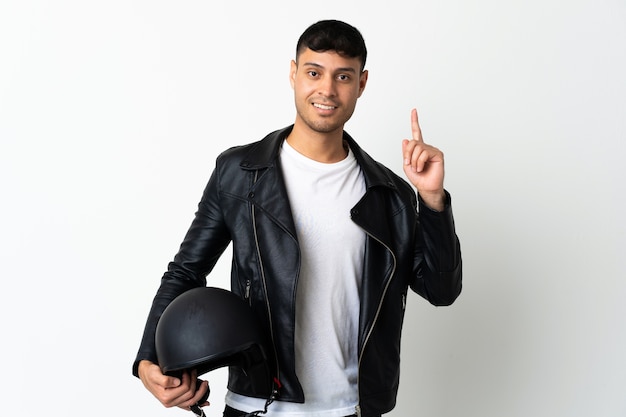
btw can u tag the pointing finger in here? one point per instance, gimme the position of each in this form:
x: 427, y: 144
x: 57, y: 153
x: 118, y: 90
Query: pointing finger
x: 415, y: 126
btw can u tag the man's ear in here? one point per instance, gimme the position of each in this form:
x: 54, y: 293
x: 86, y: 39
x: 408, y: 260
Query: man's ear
x: 292, y: 73
x: 362, y: 81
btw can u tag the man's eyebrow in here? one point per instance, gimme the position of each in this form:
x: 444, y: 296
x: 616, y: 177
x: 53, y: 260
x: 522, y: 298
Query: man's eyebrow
x: 342, y: 69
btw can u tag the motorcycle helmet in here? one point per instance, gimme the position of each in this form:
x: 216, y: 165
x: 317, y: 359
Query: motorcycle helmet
x: 207, y: 328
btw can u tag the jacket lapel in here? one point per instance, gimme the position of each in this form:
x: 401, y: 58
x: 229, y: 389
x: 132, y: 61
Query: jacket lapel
x: 267, y: 189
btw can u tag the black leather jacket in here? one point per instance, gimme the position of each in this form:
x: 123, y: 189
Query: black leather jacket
x: 245, y: 202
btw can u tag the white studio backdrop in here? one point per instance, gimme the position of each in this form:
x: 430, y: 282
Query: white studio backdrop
x: 112, y: 114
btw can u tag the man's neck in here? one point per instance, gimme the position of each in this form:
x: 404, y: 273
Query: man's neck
x: 322, y: 147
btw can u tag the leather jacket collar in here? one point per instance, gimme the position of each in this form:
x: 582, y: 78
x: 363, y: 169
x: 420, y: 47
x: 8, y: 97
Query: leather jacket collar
x: 265, y: 152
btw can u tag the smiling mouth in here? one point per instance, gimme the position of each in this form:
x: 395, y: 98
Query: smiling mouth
x: 324, y: 106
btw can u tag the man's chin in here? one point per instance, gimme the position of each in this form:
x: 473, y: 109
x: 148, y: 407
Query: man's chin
x: 324, y: 126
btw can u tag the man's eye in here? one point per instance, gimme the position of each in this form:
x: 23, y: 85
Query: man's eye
x: 343, y: 77
x: 313, y: 73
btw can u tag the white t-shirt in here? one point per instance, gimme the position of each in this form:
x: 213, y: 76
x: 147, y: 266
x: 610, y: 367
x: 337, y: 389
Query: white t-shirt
x: 327, y: 302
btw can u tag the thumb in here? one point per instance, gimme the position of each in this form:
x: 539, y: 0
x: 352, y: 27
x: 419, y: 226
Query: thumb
x: 171, y: 382
x: 404, y: 155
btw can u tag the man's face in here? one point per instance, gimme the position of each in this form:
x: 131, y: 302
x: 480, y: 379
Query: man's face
x: 326, y: 87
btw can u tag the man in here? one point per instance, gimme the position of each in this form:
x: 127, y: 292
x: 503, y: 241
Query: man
x: 326, y: 243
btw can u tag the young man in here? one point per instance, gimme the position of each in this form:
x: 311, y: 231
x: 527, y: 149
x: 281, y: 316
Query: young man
x: 326, y: 243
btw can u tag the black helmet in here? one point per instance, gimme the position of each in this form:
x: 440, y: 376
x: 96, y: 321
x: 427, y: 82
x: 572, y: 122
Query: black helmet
x: 207, y: 328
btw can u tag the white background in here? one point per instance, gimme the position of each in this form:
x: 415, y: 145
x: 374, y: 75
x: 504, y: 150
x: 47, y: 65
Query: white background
x: 112, y: 114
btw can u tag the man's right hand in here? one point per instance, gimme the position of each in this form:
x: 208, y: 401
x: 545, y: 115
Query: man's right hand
x: 171, y: 391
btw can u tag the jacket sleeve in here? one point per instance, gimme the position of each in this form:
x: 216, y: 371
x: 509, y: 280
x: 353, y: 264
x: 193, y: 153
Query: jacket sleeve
x: 438, y: 256
x: 204, y: 243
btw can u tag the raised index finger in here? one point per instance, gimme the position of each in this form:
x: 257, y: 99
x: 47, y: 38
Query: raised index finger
x: 415, y: 127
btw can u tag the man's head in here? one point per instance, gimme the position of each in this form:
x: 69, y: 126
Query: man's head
x: 328, y: 76
x: 333, y: 35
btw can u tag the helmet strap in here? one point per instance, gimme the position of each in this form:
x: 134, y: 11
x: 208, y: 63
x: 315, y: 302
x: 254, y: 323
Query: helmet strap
x: 197, y: 410
x: 275, y: 391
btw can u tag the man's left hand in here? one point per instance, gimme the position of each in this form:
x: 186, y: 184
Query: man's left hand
x: 424, y: 167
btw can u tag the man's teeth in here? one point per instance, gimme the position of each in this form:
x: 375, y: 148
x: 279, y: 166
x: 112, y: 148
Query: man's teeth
x: 323, y: 107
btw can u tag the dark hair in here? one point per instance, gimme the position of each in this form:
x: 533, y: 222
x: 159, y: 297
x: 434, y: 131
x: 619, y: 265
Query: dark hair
x: 333, y: 35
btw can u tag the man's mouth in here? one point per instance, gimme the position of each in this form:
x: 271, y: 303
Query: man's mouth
x: 324, y: 106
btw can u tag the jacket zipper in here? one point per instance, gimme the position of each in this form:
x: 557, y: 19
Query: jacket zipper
x: 371, y: 329
x: 246, y: 293
x: 263, y: 280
